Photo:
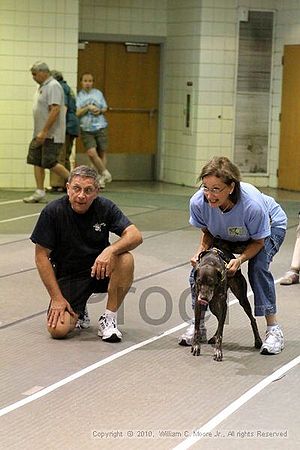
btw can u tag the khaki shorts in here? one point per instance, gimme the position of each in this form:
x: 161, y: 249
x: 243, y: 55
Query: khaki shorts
x: 97, y: 139
x: 44, y: 155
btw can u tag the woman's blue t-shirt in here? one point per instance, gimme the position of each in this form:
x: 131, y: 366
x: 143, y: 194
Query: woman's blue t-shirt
x: 250, y: 218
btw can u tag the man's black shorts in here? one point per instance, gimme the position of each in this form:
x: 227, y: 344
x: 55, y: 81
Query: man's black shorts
x: 79, y: 287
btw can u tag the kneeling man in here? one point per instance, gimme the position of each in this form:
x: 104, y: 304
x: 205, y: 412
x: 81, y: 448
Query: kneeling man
x: 75, y: 258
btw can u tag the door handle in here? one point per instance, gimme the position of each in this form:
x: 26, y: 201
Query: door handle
x: 150, y: 111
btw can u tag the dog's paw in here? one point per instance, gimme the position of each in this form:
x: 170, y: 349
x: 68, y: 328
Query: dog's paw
x: 196, y: 349
x: 218, y: 355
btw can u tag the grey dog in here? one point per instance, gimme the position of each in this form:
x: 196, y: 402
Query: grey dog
x: 211, y: 286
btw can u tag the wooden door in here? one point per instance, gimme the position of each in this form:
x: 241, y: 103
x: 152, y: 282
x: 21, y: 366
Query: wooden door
x: 131, y: 87
x: 289, y: 154
x: 130, y: 84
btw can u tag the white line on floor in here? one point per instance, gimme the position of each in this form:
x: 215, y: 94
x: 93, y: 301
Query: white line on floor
x: 18, y: 218
x: 86, y: 370
x: 230, y: 409
x: 8, y: 202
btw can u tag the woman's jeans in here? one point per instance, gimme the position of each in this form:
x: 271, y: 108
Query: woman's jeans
x: 260, y: 278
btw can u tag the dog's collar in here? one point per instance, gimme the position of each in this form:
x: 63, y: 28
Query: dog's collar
x: 221, y: 254
x: 218, y: 252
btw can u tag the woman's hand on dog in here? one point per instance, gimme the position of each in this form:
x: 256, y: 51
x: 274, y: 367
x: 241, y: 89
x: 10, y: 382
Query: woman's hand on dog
x: 233, y: 266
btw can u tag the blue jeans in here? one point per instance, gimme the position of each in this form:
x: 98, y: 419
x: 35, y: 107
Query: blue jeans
x: 260, y: 278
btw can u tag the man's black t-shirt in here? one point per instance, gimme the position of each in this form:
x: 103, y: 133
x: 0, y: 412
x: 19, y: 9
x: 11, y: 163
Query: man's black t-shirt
x: 75, y: 240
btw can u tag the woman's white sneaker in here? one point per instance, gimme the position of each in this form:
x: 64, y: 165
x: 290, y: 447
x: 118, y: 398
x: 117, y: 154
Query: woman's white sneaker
x: 186, y: 339
x: 274, y: 342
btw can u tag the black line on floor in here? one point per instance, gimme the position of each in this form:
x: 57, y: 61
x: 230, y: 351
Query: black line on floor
x: 145, y: 238
x: 24, y: 319
x: 131, y: 215
x: 145, y: 277
x: 167, y: 232
x: 17, y: 273
x: 14, y: 242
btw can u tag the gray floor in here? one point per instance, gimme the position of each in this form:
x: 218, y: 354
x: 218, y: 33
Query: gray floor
x: 146, y: 392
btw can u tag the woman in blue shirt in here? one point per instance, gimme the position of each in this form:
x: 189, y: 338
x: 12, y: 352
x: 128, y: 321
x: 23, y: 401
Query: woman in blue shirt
x: 251, y: 224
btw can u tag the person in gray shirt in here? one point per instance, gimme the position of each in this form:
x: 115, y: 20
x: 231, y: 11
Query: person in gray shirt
x: 49, y: 118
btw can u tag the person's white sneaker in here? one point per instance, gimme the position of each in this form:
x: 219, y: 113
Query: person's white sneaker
x: 84, y: 321
x: 108, y: 329
x: 274, y: 342
x: 36, y: 197
x: 106, y: 176
x: 290, y: 277
x: 186, y: 339
x: 102, y: 182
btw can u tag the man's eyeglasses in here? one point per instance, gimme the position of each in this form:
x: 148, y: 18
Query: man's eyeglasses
x: 87, y: 191
x: 214, y: 191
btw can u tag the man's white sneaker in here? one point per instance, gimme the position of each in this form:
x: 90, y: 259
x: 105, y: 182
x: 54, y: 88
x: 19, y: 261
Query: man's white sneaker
x: 84, y: 321
x: 108, y: 329
x: 186, y: 339
x: 274, y: 342
x: 36, y: 197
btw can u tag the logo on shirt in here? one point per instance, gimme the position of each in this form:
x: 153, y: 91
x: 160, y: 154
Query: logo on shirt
x: 236, y: 231
x: 98, y: 226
